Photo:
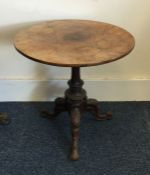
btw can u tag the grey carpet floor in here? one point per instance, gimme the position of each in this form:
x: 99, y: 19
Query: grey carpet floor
x: 31, y: 145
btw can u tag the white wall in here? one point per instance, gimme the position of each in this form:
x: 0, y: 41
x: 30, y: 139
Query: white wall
x: 125, y: 79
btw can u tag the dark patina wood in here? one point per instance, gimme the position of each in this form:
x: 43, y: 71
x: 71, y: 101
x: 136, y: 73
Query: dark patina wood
x: 74, y: 43
x: 76, y: 102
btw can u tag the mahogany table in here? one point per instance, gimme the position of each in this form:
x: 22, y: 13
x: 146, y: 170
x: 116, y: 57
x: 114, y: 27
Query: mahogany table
x: 75, y: 44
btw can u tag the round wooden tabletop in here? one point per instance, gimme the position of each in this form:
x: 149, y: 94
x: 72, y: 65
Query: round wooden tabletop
x: 74, y: 43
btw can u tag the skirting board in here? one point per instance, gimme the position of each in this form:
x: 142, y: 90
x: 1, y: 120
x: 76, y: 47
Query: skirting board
x: 102, y: 90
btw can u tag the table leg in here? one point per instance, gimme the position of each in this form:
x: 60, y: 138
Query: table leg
x: 75, y: 121
x: 4, y: 119
x: 59, y: 106
x: 92, y: 107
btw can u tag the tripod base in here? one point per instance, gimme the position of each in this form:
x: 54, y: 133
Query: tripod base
x: 76, y: 102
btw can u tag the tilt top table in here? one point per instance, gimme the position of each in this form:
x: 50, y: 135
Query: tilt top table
x: 75, y: 44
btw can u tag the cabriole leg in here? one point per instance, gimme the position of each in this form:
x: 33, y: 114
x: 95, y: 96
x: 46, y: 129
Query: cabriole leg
x: 59, y: 106
x: 92, y: 107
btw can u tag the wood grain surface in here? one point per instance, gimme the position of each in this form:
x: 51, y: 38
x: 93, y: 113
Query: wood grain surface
x: 74, y: 43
